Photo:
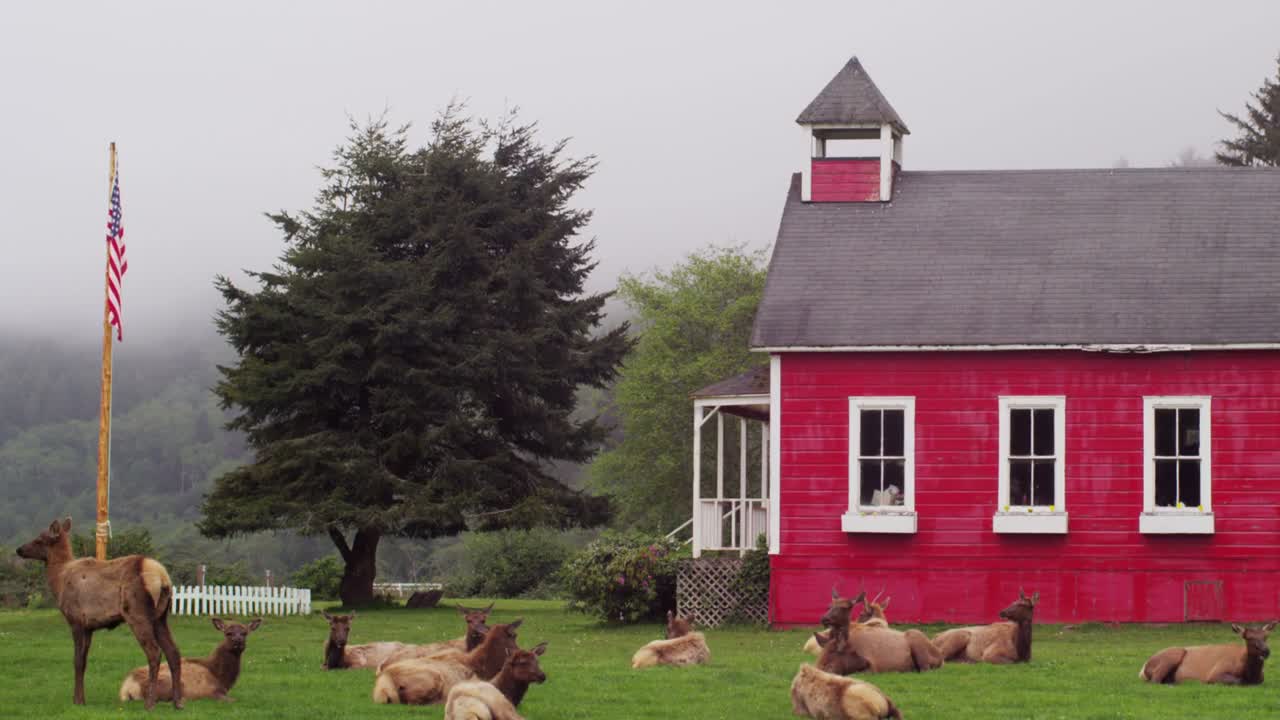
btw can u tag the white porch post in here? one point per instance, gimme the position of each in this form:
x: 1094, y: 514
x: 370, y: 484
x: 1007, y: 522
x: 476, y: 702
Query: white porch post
x: 719, y: 456
x: 764, y: 460
x: 744, y: 508
x: 697, y: 479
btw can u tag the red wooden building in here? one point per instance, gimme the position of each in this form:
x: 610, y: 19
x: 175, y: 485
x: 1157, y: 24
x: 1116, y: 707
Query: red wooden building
x: 1062, y: 380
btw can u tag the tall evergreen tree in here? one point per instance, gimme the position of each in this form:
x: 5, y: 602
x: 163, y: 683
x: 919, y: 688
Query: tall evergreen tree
x: 409, y: 366
x: 1259, y: 140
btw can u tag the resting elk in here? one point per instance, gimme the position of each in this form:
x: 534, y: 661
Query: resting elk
x: 871, y: 647
x: 424, y: 681
x: 872, y: 615
x: 338, y: 655
x: 498, y: 698
x: 999, y: 643
x: 211, y: 677
x: 825, y: 696
x: 96, y: 594
x: 682, y: 646
x: 1229, y: 664
x: 476, y: 630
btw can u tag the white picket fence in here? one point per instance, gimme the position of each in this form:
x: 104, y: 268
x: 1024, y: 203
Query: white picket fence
x: 232, y: 600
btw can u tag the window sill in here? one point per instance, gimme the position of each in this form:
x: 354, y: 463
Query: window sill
x: 896, y: 521
x: 1032, y: 523
x: 1175, y: 523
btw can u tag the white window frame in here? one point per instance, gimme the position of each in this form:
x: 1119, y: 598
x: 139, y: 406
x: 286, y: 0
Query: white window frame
x: 1034, y: 519
x: 876, y: 519
x: 1187, y: 521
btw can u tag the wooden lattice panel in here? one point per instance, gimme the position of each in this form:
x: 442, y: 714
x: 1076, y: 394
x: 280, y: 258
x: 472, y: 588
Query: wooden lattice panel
x: 705, y: 593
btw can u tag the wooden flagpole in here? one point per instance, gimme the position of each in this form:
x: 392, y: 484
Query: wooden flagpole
x: 104, y: 415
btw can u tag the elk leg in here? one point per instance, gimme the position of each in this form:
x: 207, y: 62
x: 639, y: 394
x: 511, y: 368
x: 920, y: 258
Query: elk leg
x: 83, y: 639
x: 1163, y: 666
x: 923, y: 654
x: 999, y: 654
x: 145, y: 634
x: 953, y: 645
x: 171, y: 655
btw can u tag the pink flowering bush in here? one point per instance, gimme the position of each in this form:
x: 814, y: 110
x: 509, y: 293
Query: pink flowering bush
x: 623, y: 577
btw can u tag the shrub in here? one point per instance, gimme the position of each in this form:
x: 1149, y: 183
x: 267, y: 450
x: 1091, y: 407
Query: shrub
x: 623, y: 577
x: 511, y: 563
x: 323, y: 576
x: 134, y: 541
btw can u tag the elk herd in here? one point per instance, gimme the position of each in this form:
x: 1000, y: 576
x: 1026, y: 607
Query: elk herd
x: 485, y: 674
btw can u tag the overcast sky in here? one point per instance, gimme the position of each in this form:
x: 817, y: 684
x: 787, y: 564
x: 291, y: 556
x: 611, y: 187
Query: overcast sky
x: 223, y: 111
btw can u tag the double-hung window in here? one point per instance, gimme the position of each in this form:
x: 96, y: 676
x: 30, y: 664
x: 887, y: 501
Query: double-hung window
x: 1176, y: 469
x: 881, y: 465
x: 1032, y: 465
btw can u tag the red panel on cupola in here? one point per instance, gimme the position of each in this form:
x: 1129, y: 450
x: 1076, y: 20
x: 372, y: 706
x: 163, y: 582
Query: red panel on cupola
x: 846, y: 179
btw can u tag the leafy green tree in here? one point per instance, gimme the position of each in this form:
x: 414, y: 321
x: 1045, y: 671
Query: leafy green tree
x: 1258, y: 142
x: 695, y: 323
x: 409, y: 366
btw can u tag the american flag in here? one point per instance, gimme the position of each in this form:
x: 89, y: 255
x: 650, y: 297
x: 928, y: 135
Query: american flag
x: 117, y: 266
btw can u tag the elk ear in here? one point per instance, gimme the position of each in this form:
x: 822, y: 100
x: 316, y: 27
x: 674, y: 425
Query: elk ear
x: 821, y: 639
x: 461, y: 609
x: 670, y: 616
x: 217, y: 623
x: 66, y: 524
x: 352, y: 616
x: 1237, y: 629
x: 540, y: 648
x: 1021, y: 595
x: 1269, y: 626
x: 885, y: 604
x: 834, y: 595
x: 1035, y: 599
x: 55, y: 528
x: 257, y: 623
x: 511, y: 628
x: 326, y: 615
x: 489, y: 609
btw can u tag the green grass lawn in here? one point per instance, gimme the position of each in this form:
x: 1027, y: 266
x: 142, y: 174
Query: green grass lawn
x: 1082, y: 672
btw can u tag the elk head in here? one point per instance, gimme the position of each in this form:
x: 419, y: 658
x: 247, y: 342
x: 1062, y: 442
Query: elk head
x: 339, y: 628
x: 841, y: 609
x: 873, y: 609
x: 677, y: 626
x: 1022, y: 608
x: 58, y: 534
x: 1255, y: 639
x: 234, y: 634
x: 475, y: 619
x: 524, y: 664
x: 837, y: 657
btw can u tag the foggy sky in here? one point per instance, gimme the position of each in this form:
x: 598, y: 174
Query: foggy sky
x: 222, y: 111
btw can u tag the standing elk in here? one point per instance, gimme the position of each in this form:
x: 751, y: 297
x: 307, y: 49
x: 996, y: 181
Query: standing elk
x: 338, y: 655
x: 875, y: 648
x: 998, y: 643
x: 1228, y: 664
x: 211, y: 677
x: 101, y: 594
x: 682, y: 646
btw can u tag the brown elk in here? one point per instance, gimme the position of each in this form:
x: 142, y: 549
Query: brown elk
x: 211, y: 677
x: 872, y: 615
x: 95, y: 594
x: 1229, y: 664
x: 822, y: 695
x: 338, y: 655
x: 682, y: 646
x: 497, y: 699
x: 998, y: 643
x: 476, y: 630
x: 881, y: 648
x: 423, y: 681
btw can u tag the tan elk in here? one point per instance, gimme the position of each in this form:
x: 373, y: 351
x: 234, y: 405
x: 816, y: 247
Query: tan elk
x: 211, y: 677
x: 424, y: 681
x: 872, y: 615
x: 498, y: 698
x: 825, y: 696
x: 879, y: 649
x: 682, y: 646
x: 1228, y: 664
x: 96, y: 594
x: 476, y: 630
x: 338, y: 655
x: 998, y: 643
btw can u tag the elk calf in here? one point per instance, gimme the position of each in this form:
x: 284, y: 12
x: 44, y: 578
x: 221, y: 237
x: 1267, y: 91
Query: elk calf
x: 998, y: 643
x: 338, y: 655
x: 211, y: 677
x: 1229, y: 664
x: 683, y: 646
x: 821, y: 695
x: 94, y: 594
x: 424, y: 681
x: 498, y: 699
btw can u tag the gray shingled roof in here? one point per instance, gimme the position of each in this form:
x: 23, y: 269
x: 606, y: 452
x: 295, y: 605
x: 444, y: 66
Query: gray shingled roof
x: 851, y: 97
x: 1145, y: 256
x: 752, y: 382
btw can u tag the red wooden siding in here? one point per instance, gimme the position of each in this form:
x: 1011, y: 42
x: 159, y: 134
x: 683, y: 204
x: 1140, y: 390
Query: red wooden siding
x: 845, y: 179
x: 955, y: 568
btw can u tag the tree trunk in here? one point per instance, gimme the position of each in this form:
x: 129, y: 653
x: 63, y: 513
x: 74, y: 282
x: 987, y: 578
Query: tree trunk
x: 360, y: 568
